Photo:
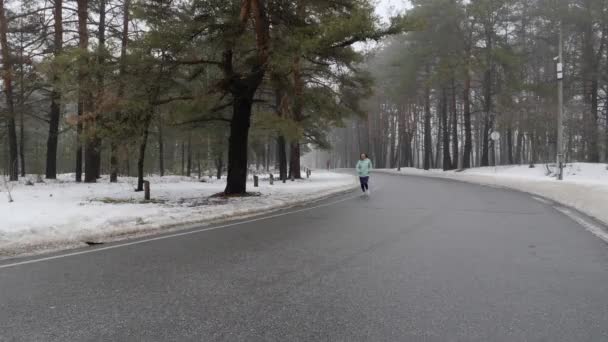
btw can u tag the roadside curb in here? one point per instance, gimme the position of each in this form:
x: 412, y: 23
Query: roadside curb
x: 571, y: 211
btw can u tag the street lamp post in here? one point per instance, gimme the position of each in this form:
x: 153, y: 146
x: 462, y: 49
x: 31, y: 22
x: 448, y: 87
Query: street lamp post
x: 560, y: 110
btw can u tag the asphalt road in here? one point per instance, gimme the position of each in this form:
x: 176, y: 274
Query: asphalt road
x: 421, y: 260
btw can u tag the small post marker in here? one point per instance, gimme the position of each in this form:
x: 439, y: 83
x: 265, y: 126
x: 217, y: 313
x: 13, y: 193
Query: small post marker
x: 256, y: 180
x: 271, y: 179
x: 147, y: 190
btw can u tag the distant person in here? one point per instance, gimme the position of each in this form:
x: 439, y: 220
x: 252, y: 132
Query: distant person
x: 364, y: 166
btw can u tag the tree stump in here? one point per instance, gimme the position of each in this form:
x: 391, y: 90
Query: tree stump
x: 147, y: 190
x: 271, y: 179
x: 256, y: 180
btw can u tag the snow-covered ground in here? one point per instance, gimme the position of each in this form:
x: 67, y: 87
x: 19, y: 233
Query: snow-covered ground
x: 62, y: 213
x: 585, y: 186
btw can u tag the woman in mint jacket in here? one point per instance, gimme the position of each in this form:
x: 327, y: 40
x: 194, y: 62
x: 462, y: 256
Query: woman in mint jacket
x: 364, y: 166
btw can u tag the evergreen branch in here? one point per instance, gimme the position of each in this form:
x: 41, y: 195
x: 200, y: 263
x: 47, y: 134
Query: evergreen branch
x: 197, y: 62
x: 171, y: 99
x: 27, y: 14
x: 201, y: 120
x: 377, y: 35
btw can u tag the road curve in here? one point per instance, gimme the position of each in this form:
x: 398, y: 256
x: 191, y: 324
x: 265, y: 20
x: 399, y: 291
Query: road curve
x: 421, y: 260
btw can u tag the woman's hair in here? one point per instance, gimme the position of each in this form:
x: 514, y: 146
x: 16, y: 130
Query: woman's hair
x: 364, y: 154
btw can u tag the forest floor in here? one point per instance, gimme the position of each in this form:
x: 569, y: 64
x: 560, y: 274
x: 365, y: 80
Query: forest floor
x: 584, y: 188
x: 62, y: 214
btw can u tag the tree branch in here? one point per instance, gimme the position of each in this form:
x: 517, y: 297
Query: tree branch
x: 171, y: 99
x: 197, y: 62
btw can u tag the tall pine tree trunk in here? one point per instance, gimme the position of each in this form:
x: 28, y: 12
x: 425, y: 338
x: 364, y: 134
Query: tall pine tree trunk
x: 281, y: 143
x: 294, y: 156
x: 7, y: 79
x: 454, y: 111
x: 238, y: 146
x: 438, y: 147
x: 518, y: 148
x: 142, y: 149
x: 466, y: 101
x: 294, y: 161
x: 282, y: 157
x: 83, y: 44
x: 428, y: 140
x: 487, y: 94
x: 121, y: 87
x: 92, y: 152
x: 447, y: 161
x: 183, y: 159
x: 189, y: 158
x: 55, y: 111
x: 219, y: 165
x: 591, y: 88
x: 243, y: 90
x: 21, y: 112
x: 161, y: 147
x: 510, y: 146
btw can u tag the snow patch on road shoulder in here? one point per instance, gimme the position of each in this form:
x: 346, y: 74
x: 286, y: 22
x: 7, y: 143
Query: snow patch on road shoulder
x: 59, y: 214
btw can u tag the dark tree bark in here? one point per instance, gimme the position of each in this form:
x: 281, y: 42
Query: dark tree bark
x: 591, y: 87
x: 92, y: 152
x: 238, y: 146
x: 266, y: 156
x: 243, y: 89
x: 198, y: 164
x: 532, y: 149
x: 161, y: 148
x: 455, y: 144
x: 219, y: 165
x: 428, y: 140
x: 510, y: 146
x: 294, y: 156
x: 402, y: 143
x: 7, y: 78
x: 121, y: 88
x: 447, y: 161
x: 281, y: 143
x: 487, y: 94
x: 593, y: 131
x: 142, y: 149
x: 282, y: 157
x: 294, y: 161
x: 55, y: 111
x: 438, y: 155
x: 183, y: 171
x: 83, y: 43
x: 21, y: 111
x: 518, y: 148
x: 189, y: 158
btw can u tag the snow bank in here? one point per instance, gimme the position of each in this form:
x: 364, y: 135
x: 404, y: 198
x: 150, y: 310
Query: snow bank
x: 63, y: 213
x: 585, y: 186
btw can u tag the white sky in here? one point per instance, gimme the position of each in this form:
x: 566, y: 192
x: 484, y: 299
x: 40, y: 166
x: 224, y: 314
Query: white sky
x: 385, y: 8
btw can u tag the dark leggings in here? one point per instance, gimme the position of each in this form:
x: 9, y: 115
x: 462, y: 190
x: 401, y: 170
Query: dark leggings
x: 364, y: 183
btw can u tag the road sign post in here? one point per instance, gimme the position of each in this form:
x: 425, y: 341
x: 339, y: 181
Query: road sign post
x: 560, y: 109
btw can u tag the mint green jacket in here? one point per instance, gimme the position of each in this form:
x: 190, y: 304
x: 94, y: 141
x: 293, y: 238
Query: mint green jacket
x: 364, y: 167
